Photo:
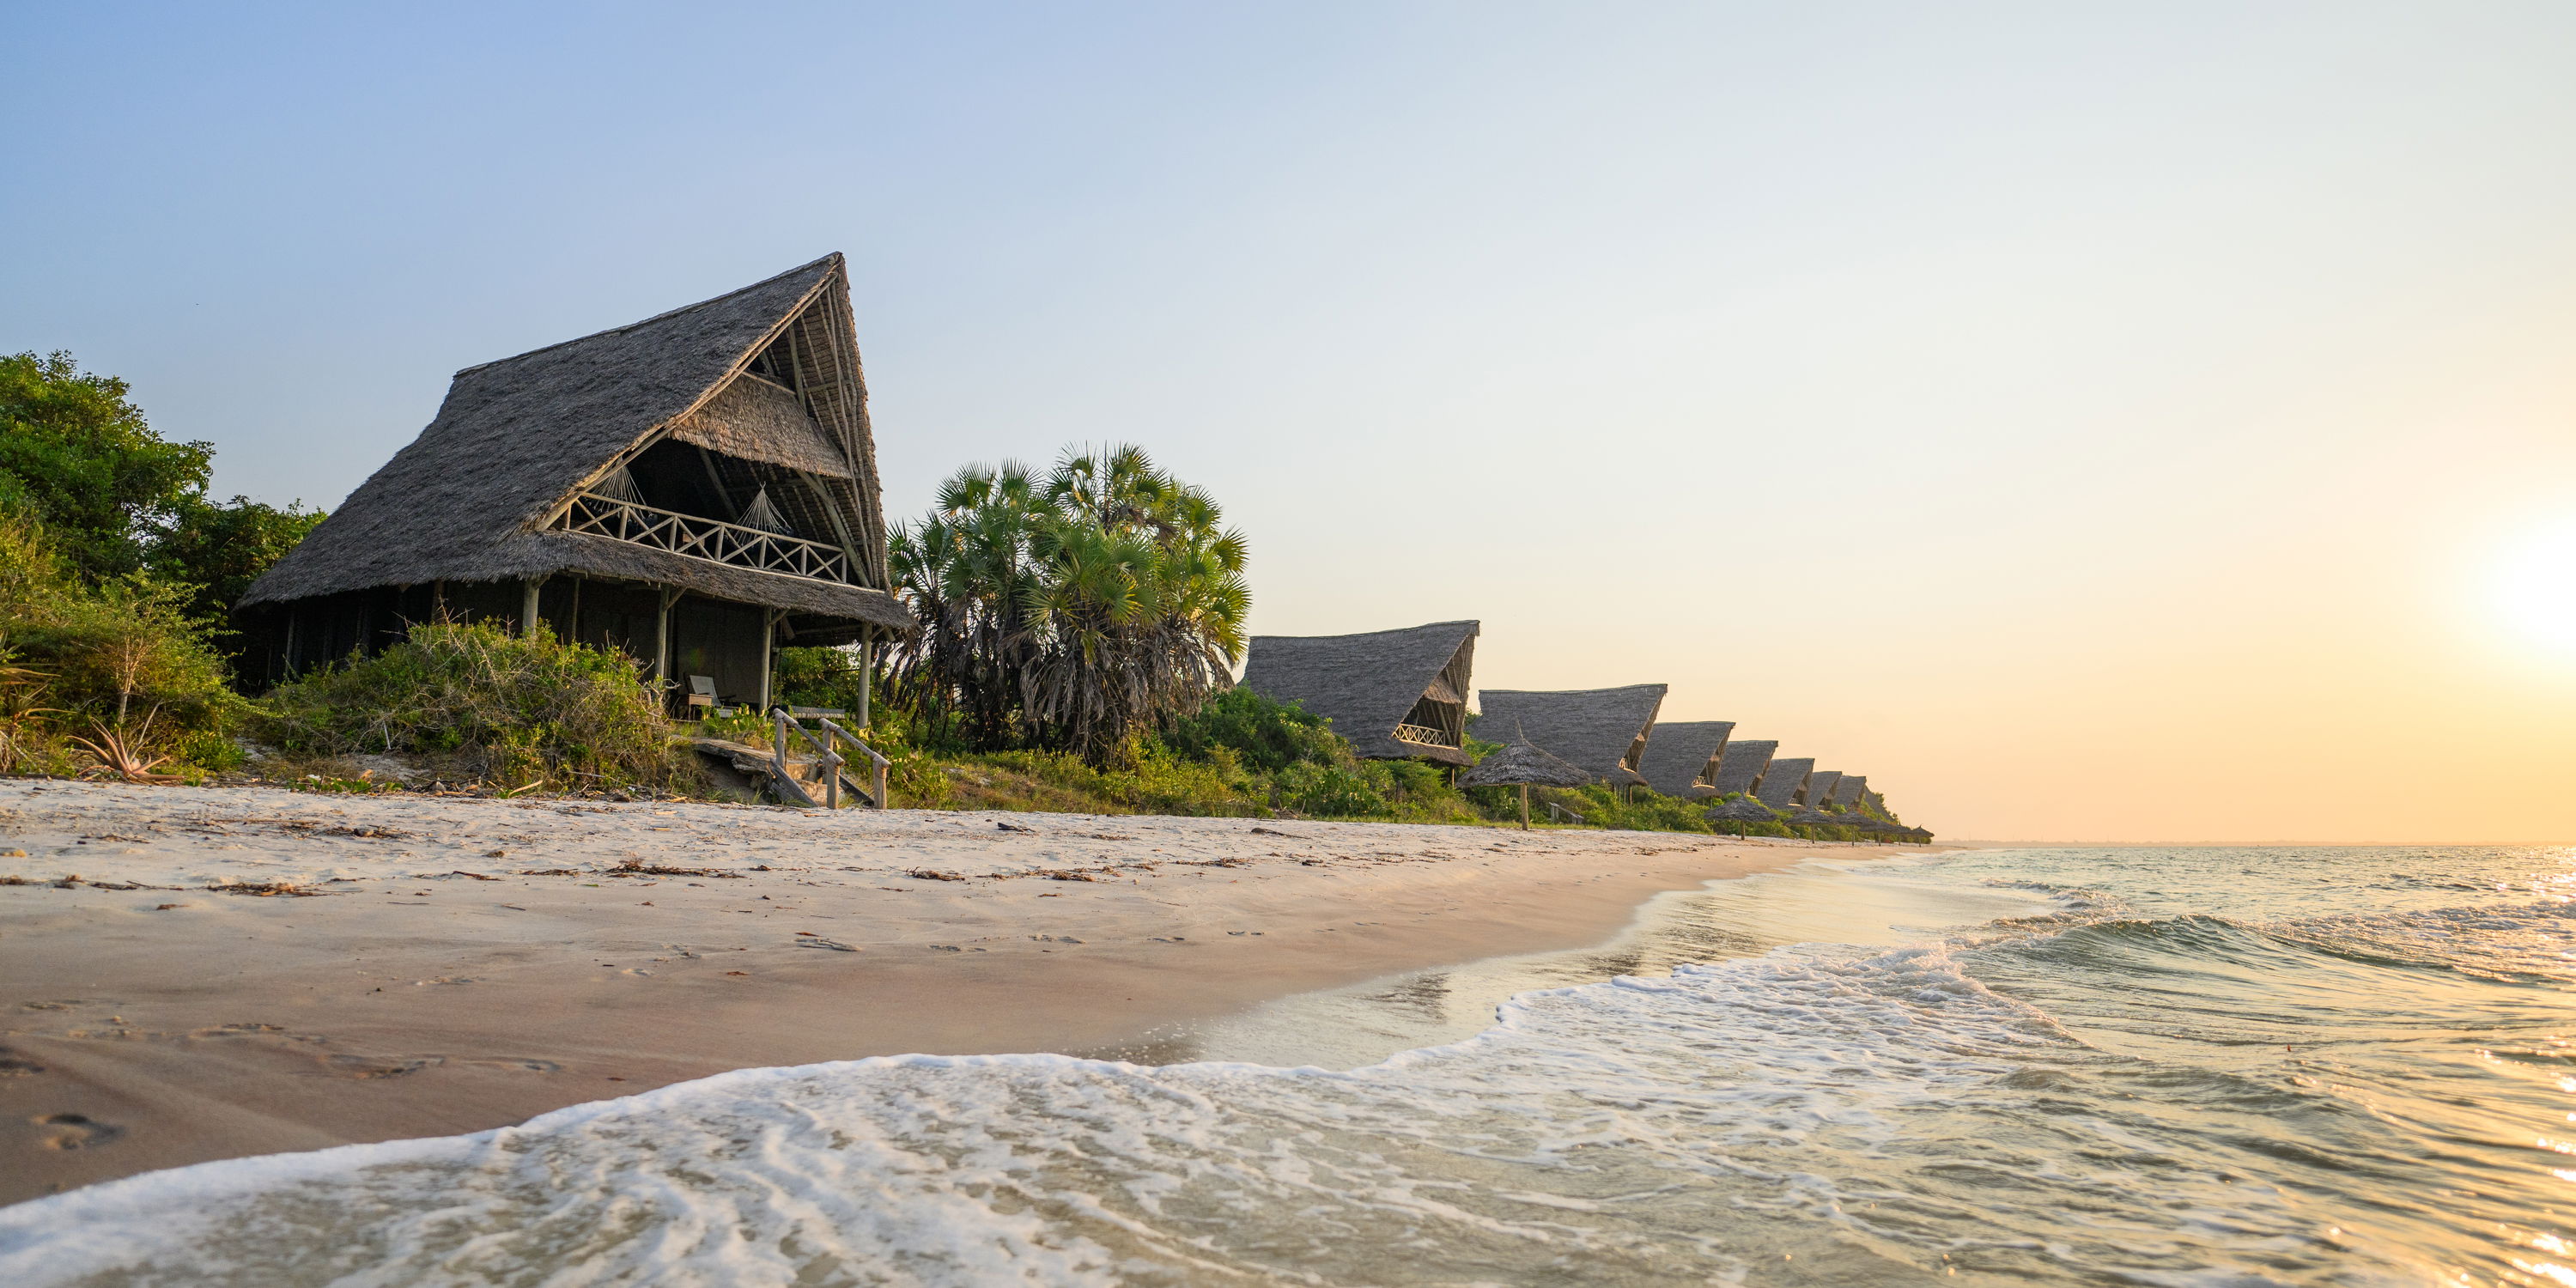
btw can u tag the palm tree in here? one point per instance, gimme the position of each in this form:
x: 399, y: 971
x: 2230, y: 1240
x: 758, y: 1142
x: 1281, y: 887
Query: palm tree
x: 1074, y: 612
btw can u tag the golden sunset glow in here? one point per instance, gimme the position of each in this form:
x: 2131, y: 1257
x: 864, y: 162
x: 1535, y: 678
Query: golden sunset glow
x: 2533, y: 588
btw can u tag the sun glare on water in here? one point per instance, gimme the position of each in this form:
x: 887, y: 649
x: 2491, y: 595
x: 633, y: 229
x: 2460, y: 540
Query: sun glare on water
x: 2534, y: 588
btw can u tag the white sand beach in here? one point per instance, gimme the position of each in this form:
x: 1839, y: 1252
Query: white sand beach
x: 447, y: 964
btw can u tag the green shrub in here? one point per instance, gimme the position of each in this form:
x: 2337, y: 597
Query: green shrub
x: 514, y: 707
x: 1263, y: 735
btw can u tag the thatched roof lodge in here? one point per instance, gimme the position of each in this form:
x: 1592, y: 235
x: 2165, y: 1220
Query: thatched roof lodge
x: 1784, y: 784
x: 1820, y: 788
x: 1600, y: 731
x: 1742, y: 765
x: 1395, y: 695
x: 1849, y: 792
x: 1681, y: 758
x: 696, y: 488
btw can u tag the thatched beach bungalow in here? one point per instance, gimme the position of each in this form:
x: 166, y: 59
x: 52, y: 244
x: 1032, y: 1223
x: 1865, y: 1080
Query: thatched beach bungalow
x: 1741, y: 766
x: 1681, y: 758
x: 1820, y: 788
x: 1395, y: 695
x: 1784, y: 784
x: 1603, y: 732
x: 1850, y: 791
x: 697, y: 488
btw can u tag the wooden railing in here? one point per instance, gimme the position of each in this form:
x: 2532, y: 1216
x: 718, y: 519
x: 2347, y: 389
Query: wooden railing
x: 710, y: 539
x: 832, y: 760
x: 1424, y: 736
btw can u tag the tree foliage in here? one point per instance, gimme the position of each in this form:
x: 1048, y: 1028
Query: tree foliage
x: 1075, y: 611
x: 79, y: 456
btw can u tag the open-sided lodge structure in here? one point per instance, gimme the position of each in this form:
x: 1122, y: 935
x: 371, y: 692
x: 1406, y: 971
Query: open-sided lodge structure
x: 1741, y: 767
x: 1395, y: 694
x: 695, y: 489
x: 1820, y: 788
x: 1849, y: 792
x: 1681, y: 759
x: 1603, y: 732
x: 1784, y: 784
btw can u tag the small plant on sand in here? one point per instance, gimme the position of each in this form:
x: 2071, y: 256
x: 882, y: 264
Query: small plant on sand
x: 524, y: 709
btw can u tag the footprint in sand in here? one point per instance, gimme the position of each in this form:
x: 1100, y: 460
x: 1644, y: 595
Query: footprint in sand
x: 515, y: 1064
x: 75, y: 1131
x: 379, y: 1066
x: 14, y: 1065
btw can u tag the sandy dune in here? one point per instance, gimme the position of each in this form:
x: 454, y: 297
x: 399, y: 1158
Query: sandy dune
x: 467, y: 963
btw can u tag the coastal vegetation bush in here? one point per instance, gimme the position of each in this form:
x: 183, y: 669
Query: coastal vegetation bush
x: 1075, y: 611
x: 114, y: 676
x: 509, y: 707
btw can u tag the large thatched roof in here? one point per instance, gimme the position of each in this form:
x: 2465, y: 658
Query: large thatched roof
x: 1522, y: 765
x: 1367, y: 684
x: 1592, y: 729
x: 1820, y: 787
x: 1849, y: 791
x: 516, y: 439
x: 1742, y: 765
x: 1782, y: 782
x: 1679, y: 755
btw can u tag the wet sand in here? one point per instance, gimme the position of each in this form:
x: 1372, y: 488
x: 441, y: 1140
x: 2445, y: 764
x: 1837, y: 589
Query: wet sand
x: 468, y: 963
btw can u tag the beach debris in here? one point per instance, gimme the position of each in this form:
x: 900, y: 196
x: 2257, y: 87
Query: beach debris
x: 1065, y: 874
x: 165, y: 907
x: 496, y: 854
x: 1055, y: 939
x: 1011, y: 827
x: 267, y: 889
x: 1272, y: 831
x: 737, y: 972
x: 928, y: 874
x: 460, y: 872
x: 638, y: 868
x: 817, y: 941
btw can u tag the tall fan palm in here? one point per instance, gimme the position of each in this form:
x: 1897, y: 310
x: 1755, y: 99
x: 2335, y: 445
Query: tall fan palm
x: 1074, y: 612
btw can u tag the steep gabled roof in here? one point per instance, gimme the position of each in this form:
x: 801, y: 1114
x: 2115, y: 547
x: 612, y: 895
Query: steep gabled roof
x: 1850, y: 790
x: 1782, y: 782
x: 517, y: 438
x: 1679, y: 754
x: 1591, y: 729
x: 1820, y: 787
x: 1365, y: 684
x: 1742, y: 765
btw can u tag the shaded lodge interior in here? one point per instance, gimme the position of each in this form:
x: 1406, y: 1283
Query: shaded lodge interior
x: 696, y: 490
x: 1399, y: 694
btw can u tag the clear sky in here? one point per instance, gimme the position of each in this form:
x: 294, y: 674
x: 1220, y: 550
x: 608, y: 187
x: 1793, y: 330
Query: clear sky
x: 2090, y: 422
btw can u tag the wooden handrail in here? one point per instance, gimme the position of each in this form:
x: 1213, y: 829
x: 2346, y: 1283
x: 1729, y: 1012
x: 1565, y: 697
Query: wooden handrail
x: 714, y: 540
x: 782, y: 722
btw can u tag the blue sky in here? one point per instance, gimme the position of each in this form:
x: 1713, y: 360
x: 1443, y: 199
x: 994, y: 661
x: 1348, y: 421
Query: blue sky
x: 2051, y: 411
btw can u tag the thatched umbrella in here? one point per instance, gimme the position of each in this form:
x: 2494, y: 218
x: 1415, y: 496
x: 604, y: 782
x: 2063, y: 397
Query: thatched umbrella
x: 1522, y: 765
x: 1741, y: 812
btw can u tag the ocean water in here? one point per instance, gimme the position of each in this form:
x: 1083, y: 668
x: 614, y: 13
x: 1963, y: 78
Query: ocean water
x: 2184, y: 1067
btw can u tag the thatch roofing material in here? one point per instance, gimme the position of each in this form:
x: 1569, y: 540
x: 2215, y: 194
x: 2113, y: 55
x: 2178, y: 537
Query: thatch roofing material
x: 1742, y: 765
x: 1365, y: 684
x: 1850, y: 790
x: 517, y: 437
x: 1522, y: 765
x: 1679, y: 754
x: 1782, y: 782
x: 1742, y: 811
x: 760, y: 421
x: 1591, y: 729
x: 1820, y: 787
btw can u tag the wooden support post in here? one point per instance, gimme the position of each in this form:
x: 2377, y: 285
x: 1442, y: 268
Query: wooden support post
x: 867, y: 679
x: 1525, y: 807
x: 768, y: 648
x: 662, y: 635
x: 528, y: 608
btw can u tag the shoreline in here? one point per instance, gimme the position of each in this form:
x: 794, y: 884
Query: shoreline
x: 475, y: 962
